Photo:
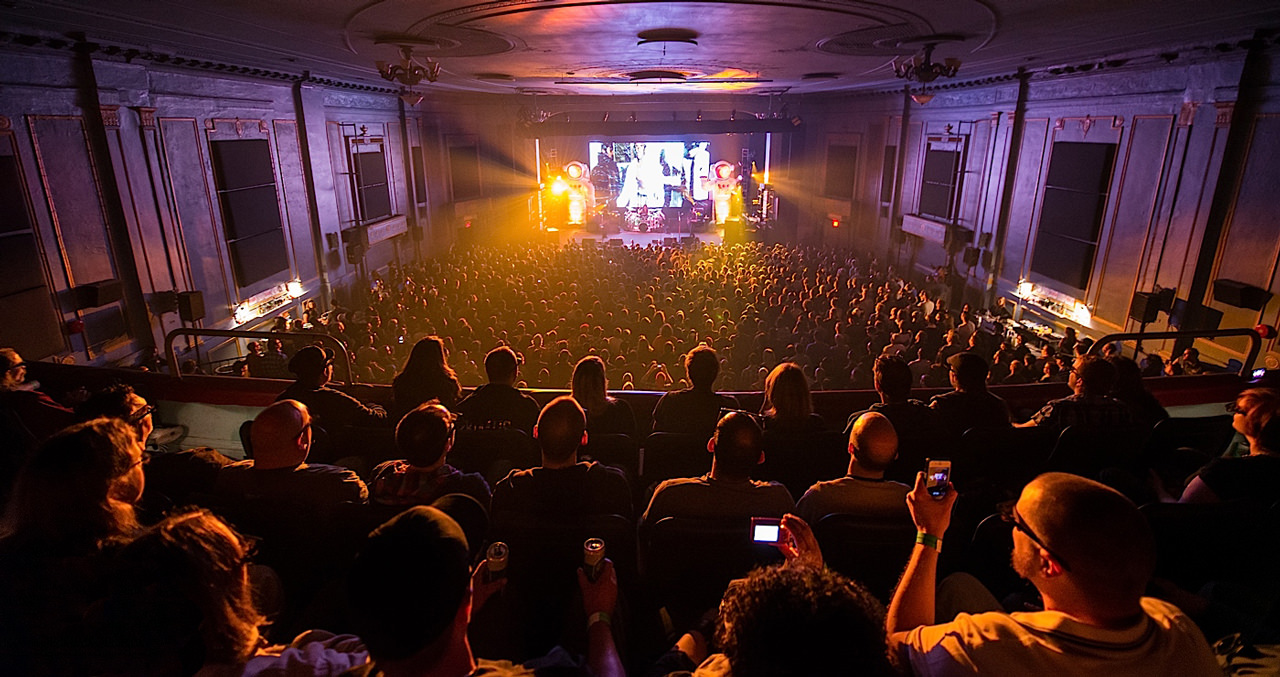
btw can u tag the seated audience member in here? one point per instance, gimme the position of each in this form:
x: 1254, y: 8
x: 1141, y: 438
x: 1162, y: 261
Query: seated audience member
x: 72, y: 505
x: 332, y: 411
x: 1251, y: 410
x: 970, y: 405
x: 605, y: 415
x: 179, y: 601
x: 1129, y: 389
x: 1251, y: 478
x: 273, y: 363
x: 915, y: 423
x: 788, y: 404
x: 1090, y: 554
x: 1152, y: 365
x: 499, y: 404
x: 426, y: 376
x: 171, y: 476
x: 696, y: 409
x: 795, y: 619
x: 281, y: 437
x: 1091, y: 379
x: 422, y: 628
x: 562, y: 487
x: 1187, y: 364
x: 873, y: 444
x: 728, y: 491
x: 424, y: 436
x: 38, y: 413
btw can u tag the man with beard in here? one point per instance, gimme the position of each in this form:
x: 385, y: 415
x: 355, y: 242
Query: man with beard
x: 1090, y: 554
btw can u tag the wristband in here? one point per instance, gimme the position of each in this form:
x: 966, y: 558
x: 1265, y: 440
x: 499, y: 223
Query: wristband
x: 599, y: 617
x: 929, y: 540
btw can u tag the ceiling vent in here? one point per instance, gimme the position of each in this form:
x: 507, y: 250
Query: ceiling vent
x: 663, y: 35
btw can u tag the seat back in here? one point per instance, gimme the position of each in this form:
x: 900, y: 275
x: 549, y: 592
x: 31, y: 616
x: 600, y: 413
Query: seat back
x: 542, y: 570
x: 670, y: 455
x: 800, y: 461
x: 1000, y: 461
x: 1086, y: 450
x: 493, y: 453
x: 246, y: 440
x: 1201, y: 542
x: 871, y: 549
x: 619, y: 451
x: 1206, y: 434
x: 688, y: 563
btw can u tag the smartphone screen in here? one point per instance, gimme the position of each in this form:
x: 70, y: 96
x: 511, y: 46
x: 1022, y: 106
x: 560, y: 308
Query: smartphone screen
x: 937, y: 477
x: 766, y: 529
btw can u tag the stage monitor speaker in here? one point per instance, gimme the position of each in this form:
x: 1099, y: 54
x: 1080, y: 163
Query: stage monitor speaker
x: 97, y: 294
x: 589, y: 242
x: 191, y: 305
x: 1145, y: 306
x: 1240, y: 295
x: 689, y: 241
x: 971, y: 256
x: 669, y: 242
x: 615, y: 242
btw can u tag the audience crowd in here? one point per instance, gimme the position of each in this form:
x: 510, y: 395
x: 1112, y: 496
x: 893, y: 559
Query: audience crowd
x: 468, y: 531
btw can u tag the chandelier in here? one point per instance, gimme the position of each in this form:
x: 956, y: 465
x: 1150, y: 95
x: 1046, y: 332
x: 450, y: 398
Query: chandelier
x: 409, y: 72
x: 922, y: 68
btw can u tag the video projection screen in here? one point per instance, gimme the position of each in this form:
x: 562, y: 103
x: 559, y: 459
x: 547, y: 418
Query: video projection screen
x: 632, y: 174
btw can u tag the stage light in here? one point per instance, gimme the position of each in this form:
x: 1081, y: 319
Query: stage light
x: 558, y: 187
x: 295, y: 289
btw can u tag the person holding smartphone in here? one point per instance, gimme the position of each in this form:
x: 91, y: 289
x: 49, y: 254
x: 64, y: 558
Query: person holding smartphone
x: 1090, y: 554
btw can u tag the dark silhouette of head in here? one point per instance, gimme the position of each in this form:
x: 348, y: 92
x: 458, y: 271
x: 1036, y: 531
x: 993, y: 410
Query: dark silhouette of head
x: 501, y: 365
x: 892, y: 378
x: 425, y: 434
x: 703, y: 366
x: 561, y: 429
x: 737, y: 445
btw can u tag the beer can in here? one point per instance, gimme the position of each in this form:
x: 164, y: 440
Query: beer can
x: 496, y: 559
x: 593, y: 558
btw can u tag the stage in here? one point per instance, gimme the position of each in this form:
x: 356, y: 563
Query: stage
x: 629, y: 238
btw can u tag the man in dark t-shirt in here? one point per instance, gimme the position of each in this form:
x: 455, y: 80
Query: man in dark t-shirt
x: 562, y: 487
x: 499, y: 404
x: 970, y: 405
x: 694, y: 410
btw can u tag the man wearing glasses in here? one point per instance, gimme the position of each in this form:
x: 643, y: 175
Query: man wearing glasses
x: 1089, y: 553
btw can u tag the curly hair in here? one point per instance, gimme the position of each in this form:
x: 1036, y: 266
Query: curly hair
x: 62, y: 497
x: 791, y: 620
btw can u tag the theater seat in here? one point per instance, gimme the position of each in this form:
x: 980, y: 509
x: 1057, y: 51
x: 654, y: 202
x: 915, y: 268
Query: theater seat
x: 619, y: 451
x: 493, y: 453
x: 670, y: 455
x: 1207, y: 434
x: 1086, y: 451
x: 688, y: 563
x: 872, y: 550
x: 800, y: 461
x: 999, y: 462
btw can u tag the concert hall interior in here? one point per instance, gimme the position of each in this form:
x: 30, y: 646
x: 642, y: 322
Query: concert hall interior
x: 193, y: 193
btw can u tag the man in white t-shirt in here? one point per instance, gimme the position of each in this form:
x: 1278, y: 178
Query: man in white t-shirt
x: 1090, y: 553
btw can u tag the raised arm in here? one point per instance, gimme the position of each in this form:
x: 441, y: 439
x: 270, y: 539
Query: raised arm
x: 913, y: 601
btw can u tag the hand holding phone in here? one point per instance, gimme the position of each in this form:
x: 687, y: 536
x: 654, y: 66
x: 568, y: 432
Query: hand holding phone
x: 766, y: 530
x: 938, y: 477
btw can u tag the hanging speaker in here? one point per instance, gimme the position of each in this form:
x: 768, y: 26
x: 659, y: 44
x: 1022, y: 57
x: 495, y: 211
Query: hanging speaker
x: 97, y: 294
x: 1144, y: 307
x: 971, y: 256
x: 1240, y: 295
x: 191, y: 305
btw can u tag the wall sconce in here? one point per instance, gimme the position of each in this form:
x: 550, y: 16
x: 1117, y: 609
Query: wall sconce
x: 922, y: 68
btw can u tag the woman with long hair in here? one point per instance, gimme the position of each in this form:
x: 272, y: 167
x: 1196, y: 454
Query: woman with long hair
x: 426, y: 376
x: 788, y: 405
x: 605, y: 415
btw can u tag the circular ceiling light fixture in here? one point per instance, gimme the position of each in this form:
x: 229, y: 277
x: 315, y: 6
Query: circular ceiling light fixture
x: 663, y: 35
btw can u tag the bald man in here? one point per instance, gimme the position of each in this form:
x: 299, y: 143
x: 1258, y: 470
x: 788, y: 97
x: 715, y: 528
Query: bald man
x: 873, y: 444
x: 1090, y: 554
x: 281, y: 440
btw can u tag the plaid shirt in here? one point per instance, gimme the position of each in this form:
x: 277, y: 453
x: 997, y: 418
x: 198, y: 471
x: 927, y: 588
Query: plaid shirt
x: 1083, y: 410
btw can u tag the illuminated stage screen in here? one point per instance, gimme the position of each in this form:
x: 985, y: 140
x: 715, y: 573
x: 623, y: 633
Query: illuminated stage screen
x: 629, y: 175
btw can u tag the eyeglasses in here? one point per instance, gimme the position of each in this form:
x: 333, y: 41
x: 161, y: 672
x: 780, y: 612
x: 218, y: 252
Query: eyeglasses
x: 144, y: 459
x: 1235, y: 408
x: 137, y: 416
x: 19, y: 365
x: 1009, y: 513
